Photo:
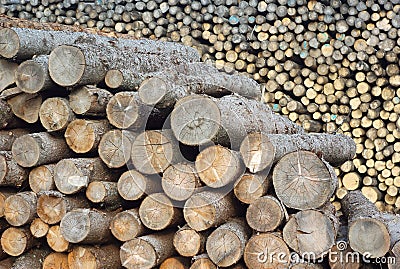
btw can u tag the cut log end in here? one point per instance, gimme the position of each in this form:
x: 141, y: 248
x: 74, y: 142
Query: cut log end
x: 56, y: 240
x: 132, y: 185
x: 68, y: 178
x: 114, y: 79
x: 127, y: 225
x: 19, y: 208
x: 51, y: 208
x: 75, y: 226
x: 180, y: 181
x: 203, y: 263
x: 14, y: 241
x: 187, y: 242
x: 157, y: 211
x: 199, y: 214
x: 39, y: 228
x: 9, y: 46
x: 123, y: 110
x: 30, y: 77
x: 152, y: 90
x: 265, y: 214
x: 251, y: 187
x: 114, y: 148
x: 257, y: 152
x: 41, y: 178
x: 55, y: 114
x: 138, y: 253
x: 80, y: 136
x: 56, y: 260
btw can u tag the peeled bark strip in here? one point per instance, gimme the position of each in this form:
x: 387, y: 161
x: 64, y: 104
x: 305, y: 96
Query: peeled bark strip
x: 154, y: 150
x: 20, y: 208
x: 7, y: 137
x: 72, y: 175
x: 87, y: 226
x: 132, y: 185
x: 265, y: 214
x: 310, y: 232
x: 55, y: 114
x: 218, y: 166
x: 32, y: 259
x: 250, y: 187
x: 39, y: 228
x: 125, y: 79
x: 303, y: 181
x: 16, y: 241
x: 115, y: 147
x: 188, y: 242
x: 208, y: 209
x: 175, y: 263
x: 56, y: 240
x: 26, y: 106
x: 197, y: 119
x: 102, y: 257
x: 225, y: 246
x: 56, y: 260
x: 41, y: 178
x: 84, y: 136
x: 126, y: 225
x: 157, y: 212
x: 33, y: 76
x: 202, y: 262
x: 179, y: 181
x: 89, y: 101
x: 7, y: 70
x: 39, y: 148
x: 11, y: 174
x: 147, y: 251
x: 257, y: 253
x: 103, y: 192
x: 53, y: 205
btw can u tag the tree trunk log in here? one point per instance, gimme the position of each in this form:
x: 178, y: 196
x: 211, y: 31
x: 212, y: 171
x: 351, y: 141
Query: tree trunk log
x: 102, y: 257
x: 11, y: 174
x: 56, y: 261
x: 39, y: 148
x: 7, y: 117
x: 26, y: 106
x: 249, y: 187
x: 188, y: 242
x: 7, y: 138
x: 126, y: 225
x: 39, y: 228
x: 89, y: 101
x: 265, y: 214
x: 104, y: 192
x: 125, y: 79
x: 55, y: 114
x: 175, y: 263
x: 20, y: 208
x: 133, y: 185
x: 41, y: 178
x: 16, y: 241
x: 32, y: 259
x: 317, y: 179
x: 7, y: 70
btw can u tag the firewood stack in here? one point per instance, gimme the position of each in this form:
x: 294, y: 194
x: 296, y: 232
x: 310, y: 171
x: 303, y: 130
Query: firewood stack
x: 133, y: 153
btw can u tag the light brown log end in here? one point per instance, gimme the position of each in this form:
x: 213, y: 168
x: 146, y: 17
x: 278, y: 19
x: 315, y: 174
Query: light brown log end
x: 56, y: 260
x: 265, y: 214
x: 257, y: 152
x: 9, y: 45
x: 127, y: 225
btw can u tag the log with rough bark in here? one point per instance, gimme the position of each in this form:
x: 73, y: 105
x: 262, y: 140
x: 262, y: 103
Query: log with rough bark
x: 72, y: 175
x: 249, y: 187
x: 20, y: 208
x: 39, y: 148
x: 41, y: 178
x: 33, y: 76
x: 7, y: 70
x: 39, y: 228
x: 303, y: 181
x: 26, y: 106
x: 100, y: 257
x: 56, y: 260
x: 133, y: 185
x: 7, y: 117
x: 55, y: 114
x: 87, y: 226
x: 11, y: 174
x: 188, y: 242
x: 56, y: 240
x: 197, y: 119
x: 7, y: 137
x: 83, y: 136
x: 15, y: 241
x: 225, y: 245
x: 147, y: 251
x: 126, y: 225
x: 89, y: 101
x: 32, y: 259
x: 104, y: 193
x: 125, y: 79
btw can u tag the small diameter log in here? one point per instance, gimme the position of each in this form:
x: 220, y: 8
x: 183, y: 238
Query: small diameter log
x: 56, y: 260
x: 55, y: 114
x: 126, y: 225
x: 33, y: 76
x: 72, y: 175
x: 39, y: 148
x: 102, y: 257
x: 16, y: 241
x: 89, y: 101
x: 32, y: 259
x: 266, y: 250
x: 7, y: 117
x: 125, y: 79
x: 157, y: 212
x: 7, y: 138
x: 188, y: 242
x: 175, y: 263
x: 133, y: 185
x: 208, y: 209
x: 265, y: 214
x: 56, y: 240
x: 11, y: 174
x: 7, y: 70
x: 202, y: 262
x: 41, y: 178
x: 303, y: 181
x: 154, y: 150
x: 197, y: 119
x: 83, y: 136
x: 26, y: 106
x: 20, y: 208
x: 250, y: 187
x: 179, y: 181
x: 225, y: 245
x: 147, y: 251
x: 218, y: 166
x: 103, y: 192
x: 39, y: 228
x: 115, y: 147
x: 87, y: 226
x: 53, y: 205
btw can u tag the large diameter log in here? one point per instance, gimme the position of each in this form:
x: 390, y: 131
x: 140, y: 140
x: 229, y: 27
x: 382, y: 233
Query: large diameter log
x: 20, y: 208
x: 7, y: 70
x: 26, y: 106
x: 303, y: 181
x: 197, y: 119
x: 33, y: 76
x: 147, y: 251
x: 83, y: 136
x: 72, y: 175
x: 16, y: 241
x: 56, y: 240
x: 126, y: 225
x: 7, y: 137
x: 89, y: 101
x: 39, y: 148
x: 56, y: 260
x: 11, y: 174
x: 101, y: 257
x: 266, y: 250
x: 265, y: 214
x: 41, y: 178
x: 157, y: 212
x: 188, y: 242
x: 133, y: 185
x: 55, y: 114
x: 115, y: 147
x: 209, y: 209
x: 249, y: 187
x: 225, y: 246
x: 32, y: 259
x: 87, y: 226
